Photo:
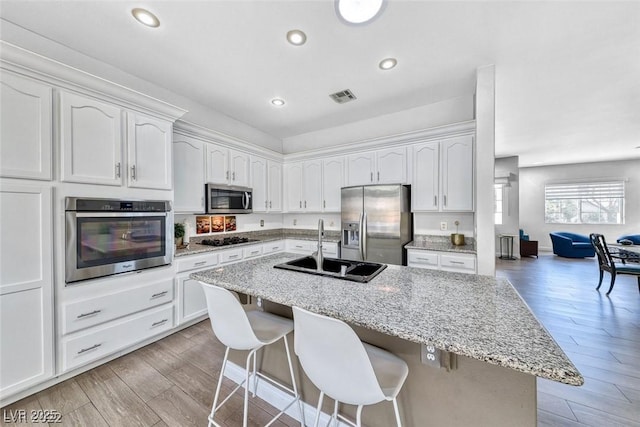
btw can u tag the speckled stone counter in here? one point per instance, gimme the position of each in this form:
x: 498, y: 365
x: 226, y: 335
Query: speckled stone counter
x: 480, y: 317
x: 441, y: 244
x: 257, y: 236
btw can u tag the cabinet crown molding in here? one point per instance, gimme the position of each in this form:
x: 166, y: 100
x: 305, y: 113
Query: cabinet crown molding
x: 25, y: 62
x: 388, y: 141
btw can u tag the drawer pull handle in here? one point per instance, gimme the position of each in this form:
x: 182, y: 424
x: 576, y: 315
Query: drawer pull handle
x: 456, y: 262
x: 93, y: 347
x: 163, y: 321
x: 200, y: 263
x: 254, y: 252
x: 159, y: 294
x: 275, y: 248
x: 298, y: 246
x: 423, y: 259
x: 80, y: 316
x: 233, y: 256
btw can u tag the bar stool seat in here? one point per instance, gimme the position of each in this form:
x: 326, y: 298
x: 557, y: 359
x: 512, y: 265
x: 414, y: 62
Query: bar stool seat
x: 343, y: 367
x: 247, y: 330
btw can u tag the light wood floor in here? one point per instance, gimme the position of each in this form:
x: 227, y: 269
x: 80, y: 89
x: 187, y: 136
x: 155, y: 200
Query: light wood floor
x: 171, y: 382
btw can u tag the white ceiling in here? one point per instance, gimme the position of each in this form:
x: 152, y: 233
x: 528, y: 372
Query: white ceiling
x: 567, y: 73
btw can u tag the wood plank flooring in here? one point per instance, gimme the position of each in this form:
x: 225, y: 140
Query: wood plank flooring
x: 600, y: 334
x: 171, y: 382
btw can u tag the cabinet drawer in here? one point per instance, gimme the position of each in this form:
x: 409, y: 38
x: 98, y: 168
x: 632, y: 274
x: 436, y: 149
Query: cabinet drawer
x: 196, y: 261
x: 251, y: 252
x: 422, y: 259
x: 329, y: 249
x: 84, y: 347
x: 90, y: 312
x: 300, y: 246
x: 458, y: 262
x: 231, y: 256
x: 272, y: 247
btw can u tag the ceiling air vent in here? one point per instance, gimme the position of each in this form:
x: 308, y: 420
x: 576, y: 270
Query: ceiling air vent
x: 343, y: 96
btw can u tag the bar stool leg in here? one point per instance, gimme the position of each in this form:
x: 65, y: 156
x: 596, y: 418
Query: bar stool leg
x: 245, y: 416
x: 334, y: 417
x: 318, y: 409
x: 359, y: 416
x: 215, y: 399
x: 397, y: 410
x: 293, y: 381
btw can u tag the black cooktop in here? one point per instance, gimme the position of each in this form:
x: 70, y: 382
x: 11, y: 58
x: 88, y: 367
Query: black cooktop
x: 227, y: 241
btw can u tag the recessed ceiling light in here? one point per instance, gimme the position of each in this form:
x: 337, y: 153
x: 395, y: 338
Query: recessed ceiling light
x: 358, y: 11
x: 277, y: 102
x: 145, y: 17
x: 296, y: 37
x: 388, y: 63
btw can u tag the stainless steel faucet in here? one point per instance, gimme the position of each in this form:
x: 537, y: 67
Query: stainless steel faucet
x: 318, y: 254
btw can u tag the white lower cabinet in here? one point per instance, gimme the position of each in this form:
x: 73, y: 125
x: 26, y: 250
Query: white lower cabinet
x: 26, y: 287
x: 191, y: 300
x: 273, y: 247
x: 307, y: 247
x: 445, y: 261
x: 84, y: 347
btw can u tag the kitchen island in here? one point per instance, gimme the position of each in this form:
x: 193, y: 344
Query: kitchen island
x: 500, y: 346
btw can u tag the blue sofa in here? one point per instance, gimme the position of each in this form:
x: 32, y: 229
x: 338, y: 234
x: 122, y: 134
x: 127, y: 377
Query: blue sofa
x: 571, y: 245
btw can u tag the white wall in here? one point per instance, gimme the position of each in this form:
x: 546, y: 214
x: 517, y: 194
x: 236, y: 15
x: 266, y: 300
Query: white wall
x: 197, y: 114
x: 510, y: 203
x: 446, y: 112
x: 532, y: 181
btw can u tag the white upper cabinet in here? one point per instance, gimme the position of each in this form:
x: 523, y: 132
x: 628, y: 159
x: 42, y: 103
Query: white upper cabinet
x: 274, y: 186
x: 188, y: 174
x: 266, y: 182
x: 456, y: 156
x: 443, y: 175
x: 25, y: 128
x: 293, y: 187
x: 312, y: 186
x: 91, y: 137
x: 149, y: 154
x: 332, y: 183
x: 388, y: 166
x: 225, y: 166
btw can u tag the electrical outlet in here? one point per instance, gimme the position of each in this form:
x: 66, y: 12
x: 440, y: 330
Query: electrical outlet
x: 262, y: 223
x: 295, y: 222
x: 443, y: 226
x: 331, y: 224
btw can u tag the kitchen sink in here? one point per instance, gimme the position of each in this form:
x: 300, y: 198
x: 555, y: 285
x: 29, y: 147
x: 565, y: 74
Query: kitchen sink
x: 355, y: 271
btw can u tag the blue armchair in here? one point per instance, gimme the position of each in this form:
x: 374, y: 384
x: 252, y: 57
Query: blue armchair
x: 635, y: 238
x: 571, y: 245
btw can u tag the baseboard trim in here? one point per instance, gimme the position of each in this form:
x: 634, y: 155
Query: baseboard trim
x: 278, y: 398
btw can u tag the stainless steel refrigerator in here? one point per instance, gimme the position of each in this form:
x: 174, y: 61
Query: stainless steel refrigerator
x: 376, y: 223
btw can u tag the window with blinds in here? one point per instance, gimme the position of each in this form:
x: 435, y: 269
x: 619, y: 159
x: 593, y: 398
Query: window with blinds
x: 585, y: 203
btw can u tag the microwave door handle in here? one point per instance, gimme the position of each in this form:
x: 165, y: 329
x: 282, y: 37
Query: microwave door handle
x: 245, y: 200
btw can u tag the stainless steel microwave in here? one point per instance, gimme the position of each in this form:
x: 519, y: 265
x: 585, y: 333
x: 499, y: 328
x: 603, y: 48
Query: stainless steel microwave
x: 228, y: 199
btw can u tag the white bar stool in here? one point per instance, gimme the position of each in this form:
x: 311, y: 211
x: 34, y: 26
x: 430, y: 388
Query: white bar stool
x: 246, y: 330
x: 343, y: 367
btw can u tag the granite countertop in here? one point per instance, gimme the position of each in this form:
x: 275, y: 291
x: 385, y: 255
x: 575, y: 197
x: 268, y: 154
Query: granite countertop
x: 261, y: 236
x: 480, y: 317
x: 441, y: 244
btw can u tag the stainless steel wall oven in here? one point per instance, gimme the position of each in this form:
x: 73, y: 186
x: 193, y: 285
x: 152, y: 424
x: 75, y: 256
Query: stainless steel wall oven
x: 105, y: 236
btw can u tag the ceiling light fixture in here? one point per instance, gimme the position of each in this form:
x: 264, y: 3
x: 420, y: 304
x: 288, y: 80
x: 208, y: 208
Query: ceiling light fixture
x: 359, y: 11
x: 296, y: 37
x: 388, y: 63
x: 277, y: 102
x: 145, y: 17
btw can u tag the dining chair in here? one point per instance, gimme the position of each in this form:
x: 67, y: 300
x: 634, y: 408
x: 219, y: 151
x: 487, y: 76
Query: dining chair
x: 248, y: 330
x: 343, y: 367
x: 607, y: 262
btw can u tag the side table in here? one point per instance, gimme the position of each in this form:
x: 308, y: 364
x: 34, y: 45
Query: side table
x: 506, y: 245
x: 529, y: 248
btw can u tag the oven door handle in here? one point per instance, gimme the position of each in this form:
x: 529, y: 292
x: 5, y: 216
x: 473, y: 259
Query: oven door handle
x: 118, y: 214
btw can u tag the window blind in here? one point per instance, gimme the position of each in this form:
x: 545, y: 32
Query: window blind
x: 592, y: 190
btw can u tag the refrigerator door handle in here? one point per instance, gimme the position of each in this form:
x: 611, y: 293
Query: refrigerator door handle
x: 363, y: 236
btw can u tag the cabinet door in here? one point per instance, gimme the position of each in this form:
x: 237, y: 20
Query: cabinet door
x: 457, y: 174
x: 193, y: 303
x: 360, y: 168
x: 332, y: 182
x: 26, y: 287
x: 275, y: 186
x: 312, y: 184
x: 25, y: 128
x: 188, y: 174
x: 239, y: 168
x: 149, y: 156
x: 259, y: 184
x: 424, y: 190
x: 293, y: 186
x: 91, y: 136
x: 218, y: 164
x: 391, y: 166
